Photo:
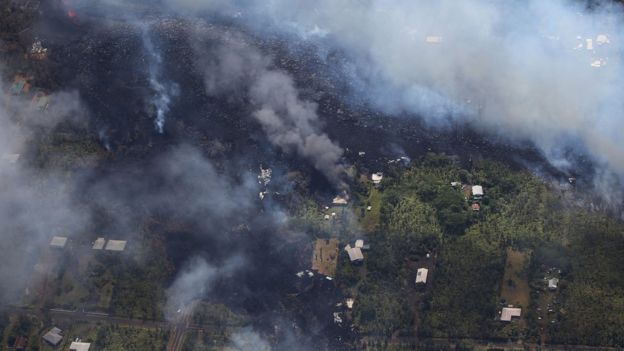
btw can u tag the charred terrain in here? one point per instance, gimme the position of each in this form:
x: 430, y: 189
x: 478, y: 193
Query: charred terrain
x: 217, y: 164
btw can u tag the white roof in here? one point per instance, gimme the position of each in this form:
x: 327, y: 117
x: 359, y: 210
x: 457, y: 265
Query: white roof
x: 433, y: 39
x: 79, y: 346
x: 477, y: 190
x: 339, y: 200
x: 552, y: 283
x: 602, y: 39
x: 116, y: 245
x: 58, y: 241
x: 99, y: 244
x: 509, y: 312
x: 421, y: 275
x: 355, y: 253
x: 377, y: 177
x: 359, y: 243
x: 590, y: 44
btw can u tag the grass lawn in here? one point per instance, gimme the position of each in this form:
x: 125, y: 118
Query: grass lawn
x: 370, y: 221
x: 515, y: 284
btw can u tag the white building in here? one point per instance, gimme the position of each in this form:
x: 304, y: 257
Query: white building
x: 510, y: 312
x: 355, y: 254
x: 58, y: 241
x: 477, y: 191
x: 99, y: 244
x: 433, y: 39
x: 552, y: 283
x: 79, y: 346
x: 340, y: 201
x: 377, y: 177
x: 421, y: 276
x: 116, y: 245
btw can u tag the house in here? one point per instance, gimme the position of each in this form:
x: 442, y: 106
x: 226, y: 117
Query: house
x: 510, y: 312
x: 552, y: 283
x: 20, y: 85
x: 53, y: 337
x: 475, y: 207
x: 602, y: 39
x: 41, y: 101
x: 361, y: 245
x: 421, y: 276
x: 477, y: 191
x: 433, y: 39
x: 116, y: 245
x: 99, y: 244
x: 455, y: 184
x: 79, y: 346
x: 58, y: 241
x: 37, y: 51
x: 377, y: 177
x: 20, y: 343
x: 355, y: 254
x: 340, y: 200
x: 590, y: 44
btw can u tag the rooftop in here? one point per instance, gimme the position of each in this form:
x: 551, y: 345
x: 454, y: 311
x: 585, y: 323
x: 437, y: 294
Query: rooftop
x: 355, y: 253
x: 58, y: 241
x: 509, y: 312
x: 421, y: 275
x: 116, y: 245
x: 477, y: 190
x: 79, y: 346
x: 99, y: 244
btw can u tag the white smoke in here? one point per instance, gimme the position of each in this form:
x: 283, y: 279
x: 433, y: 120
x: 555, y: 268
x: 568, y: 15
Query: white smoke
x: 164, y: 90
x: 549, y: 72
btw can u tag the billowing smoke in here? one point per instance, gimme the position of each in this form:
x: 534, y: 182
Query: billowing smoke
x: 195, y: 281
x: 34, y: 205
x: 163, y: 90
x: 249, y: 340
x: 290, y: 122
x: 545, y: 72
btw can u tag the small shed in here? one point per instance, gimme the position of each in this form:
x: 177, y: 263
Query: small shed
x: 552, y: 283
x: 58, y: 241
x: 377, y: 177
x: 115, y: 245
x: 79, y: 346
x: 340, y: 201
x: 99, y: 243
x: 477, y: 191
x: 421, y: 276
x: 509, y: 312
x: 53, y: 337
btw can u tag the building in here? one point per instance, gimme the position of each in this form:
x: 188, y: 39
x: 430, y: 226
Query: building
x: 41, y: 101
x: 377, y: 177
x: 477, y: 191
x: 20, y: 343
x: 58, y: 241
x: 79, y: 346
x: 116, y: 245
x: 340, y: 201
x: 552, y: 283
x: 433, y: 39
x: 475, y: 207
x: 20, y: 85
x: 99, y: 244
x: 355, y: 254
x: 509, y: 312
x: 421, y: 276
x: 53, y: 337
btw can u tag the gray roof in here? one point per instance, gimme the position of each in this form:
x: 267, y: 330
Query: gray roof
x: 53, y: 338
x: 116, y: 245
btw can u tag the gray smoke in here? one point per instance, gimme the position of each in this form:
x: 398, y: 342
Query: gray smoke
x: 194, y: 281
x: 290, y: 122
x: 545, y: 72
x: 164, y: 90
